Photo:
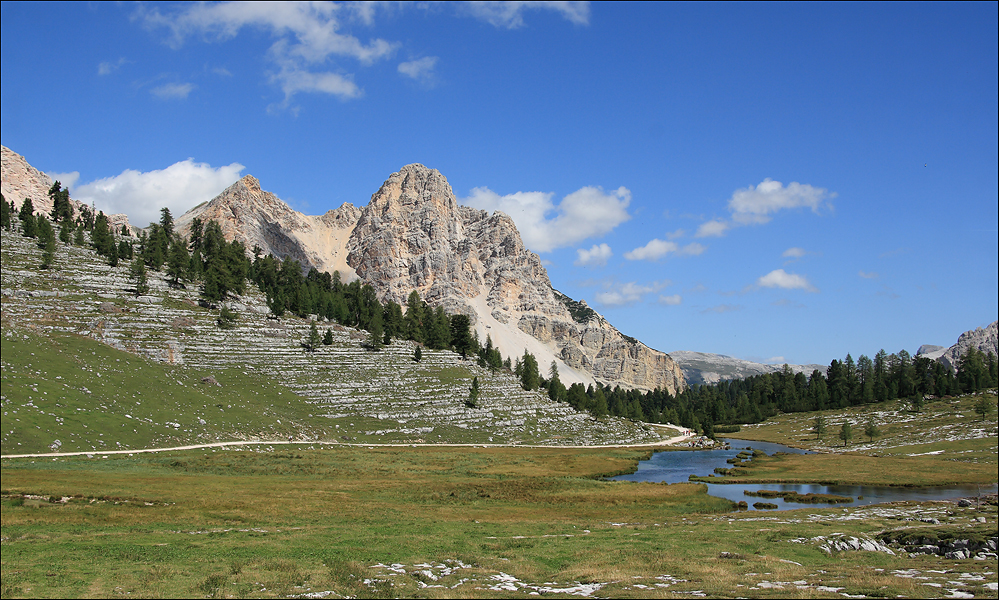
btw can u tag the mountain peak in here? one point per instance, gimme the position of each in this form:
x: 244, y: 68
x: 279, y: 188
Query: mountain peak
x: 251, y: 183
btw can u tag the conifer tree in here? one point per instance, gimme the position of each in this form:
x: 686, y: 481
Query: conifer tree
x: 871, y: 429
x: 819, y: 426
x: 313, y: 340
x: 846, y: 433
x: 138, y: 274
x: 473, y: 394
x: 46, y: 241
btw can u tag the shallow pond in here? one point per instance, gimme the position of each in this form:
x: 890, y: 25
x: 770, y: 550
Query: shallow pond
x: 677, y: 466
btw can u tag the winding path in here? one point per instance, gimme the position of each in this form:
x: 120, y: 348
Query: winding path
x: 666, y: 442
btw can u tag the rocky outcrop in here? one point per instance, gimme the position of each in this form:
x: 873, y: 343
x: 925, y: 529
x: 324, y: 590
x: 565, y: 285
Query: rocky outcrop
x: 20, y: 180
x: 260, y: 219
x: 984, y: 339
x: 413, y: 235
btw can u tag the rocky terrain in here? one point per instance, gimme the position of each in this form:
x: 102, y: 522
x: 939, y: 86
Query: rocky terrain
x: 702, y: 367
x: 19, y: 180
x: 984, y: 339
x: 413, y: 235
x: 349, y: 393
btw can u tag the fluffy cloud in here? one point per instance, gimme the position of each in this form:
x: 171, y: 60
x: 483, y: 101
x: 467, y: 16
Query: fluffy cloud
x: 756, y: 205
x: 673, y: 300
x: 713, y: 228
x: 657, y: 249
x: 587, y: 212
x: 421, y: 69
x: 307, y: 36
x: 624, y: 294
x: 511, y: 14
x: 778, y: 278
x: 178, y: 187
x: 172, y: 91
x: 68, y: 180
x: 794, y: 253
x: 595, y: 256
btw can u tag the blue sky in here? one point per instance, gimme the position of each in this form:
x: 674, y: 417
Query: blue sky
x: 776, y: 182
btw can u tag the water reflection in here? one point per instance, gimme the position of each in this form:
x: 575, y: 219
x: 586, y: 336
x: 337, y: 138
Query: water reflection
x: 677, y: 466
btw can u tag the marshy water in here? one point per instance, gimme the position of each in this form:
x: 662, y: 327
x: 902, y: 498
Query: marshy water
x: 677, y: 466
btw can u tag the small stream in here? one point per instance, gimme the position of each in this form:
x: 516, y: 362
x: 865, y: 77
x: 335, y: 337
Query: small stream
x: 677, y: 466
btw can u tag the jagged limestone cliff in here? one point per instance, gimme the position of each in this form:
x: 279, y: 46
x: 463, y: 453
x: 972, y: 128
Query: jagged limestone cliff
x: 20, y: 180
x: 413, y: 235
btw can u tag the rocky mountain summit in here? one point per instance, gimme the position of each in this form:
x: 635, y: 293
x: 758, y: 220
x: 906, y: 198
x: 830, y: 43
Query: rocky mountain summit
x: 20, y: 180
x: 984, y: 339
x: 413, y: 235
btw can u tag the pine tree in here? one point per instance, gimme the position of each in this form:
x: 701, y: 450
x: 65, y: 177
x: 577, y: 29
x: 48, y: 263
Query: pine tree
x: 46, y: 241
x: 78, y: 239
x: 984, y: 406
x: 846, y: 433
x: 5, y: 212
x: 417, y: 354
x: 138, y: 274
x: 328, y: 337
x: 871, y: 429
x: 314, y: 339
x: 819, y: 426
x: 178, y: 263
x: 113, y: 256
x: 473, y: 394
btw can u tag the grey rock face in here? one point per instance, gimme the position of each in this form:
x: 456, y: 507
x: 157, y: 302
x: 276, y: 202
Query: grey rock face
x: 413, y: 235
x: 984, y: 339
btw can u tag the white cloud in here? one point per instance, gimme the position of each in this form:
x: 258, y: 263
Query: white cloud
x: 307, y: 36
x: 871, y: 275
x: 673, y: 300
x: 511, y: 14
x: 794, y: 253
x: 170, y: 91
x: 293, y: 81
x: 692, y: 249
x: 756, y: 205
x: 778, y: 278
x: 106, y: 67
x: 626, y: 294
x: 421, y: 69
x: 67, y: 180
x: 657, y: 249
x: 595, y: 256
x: 587, y: 212
x: 654, y: 250
x: 713, y: 228
x: 178, y: 187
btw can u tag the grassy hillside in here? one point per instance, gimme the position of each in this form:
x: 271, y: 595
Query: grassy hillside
x: 87, y: 363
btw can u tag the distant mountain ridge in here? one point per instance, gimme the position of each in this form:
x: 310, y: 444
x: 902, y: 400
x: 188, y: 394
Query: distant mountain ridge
x: 413, y: 235
x: 706, y: 368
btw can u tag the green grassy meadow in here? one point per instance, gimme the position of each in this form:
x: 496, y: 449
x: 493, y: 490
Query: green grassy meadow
x: 429, y: 522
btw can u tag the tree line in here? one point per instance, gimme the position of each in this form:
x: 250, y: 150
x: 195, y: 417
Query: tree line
x: 222, y: 269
